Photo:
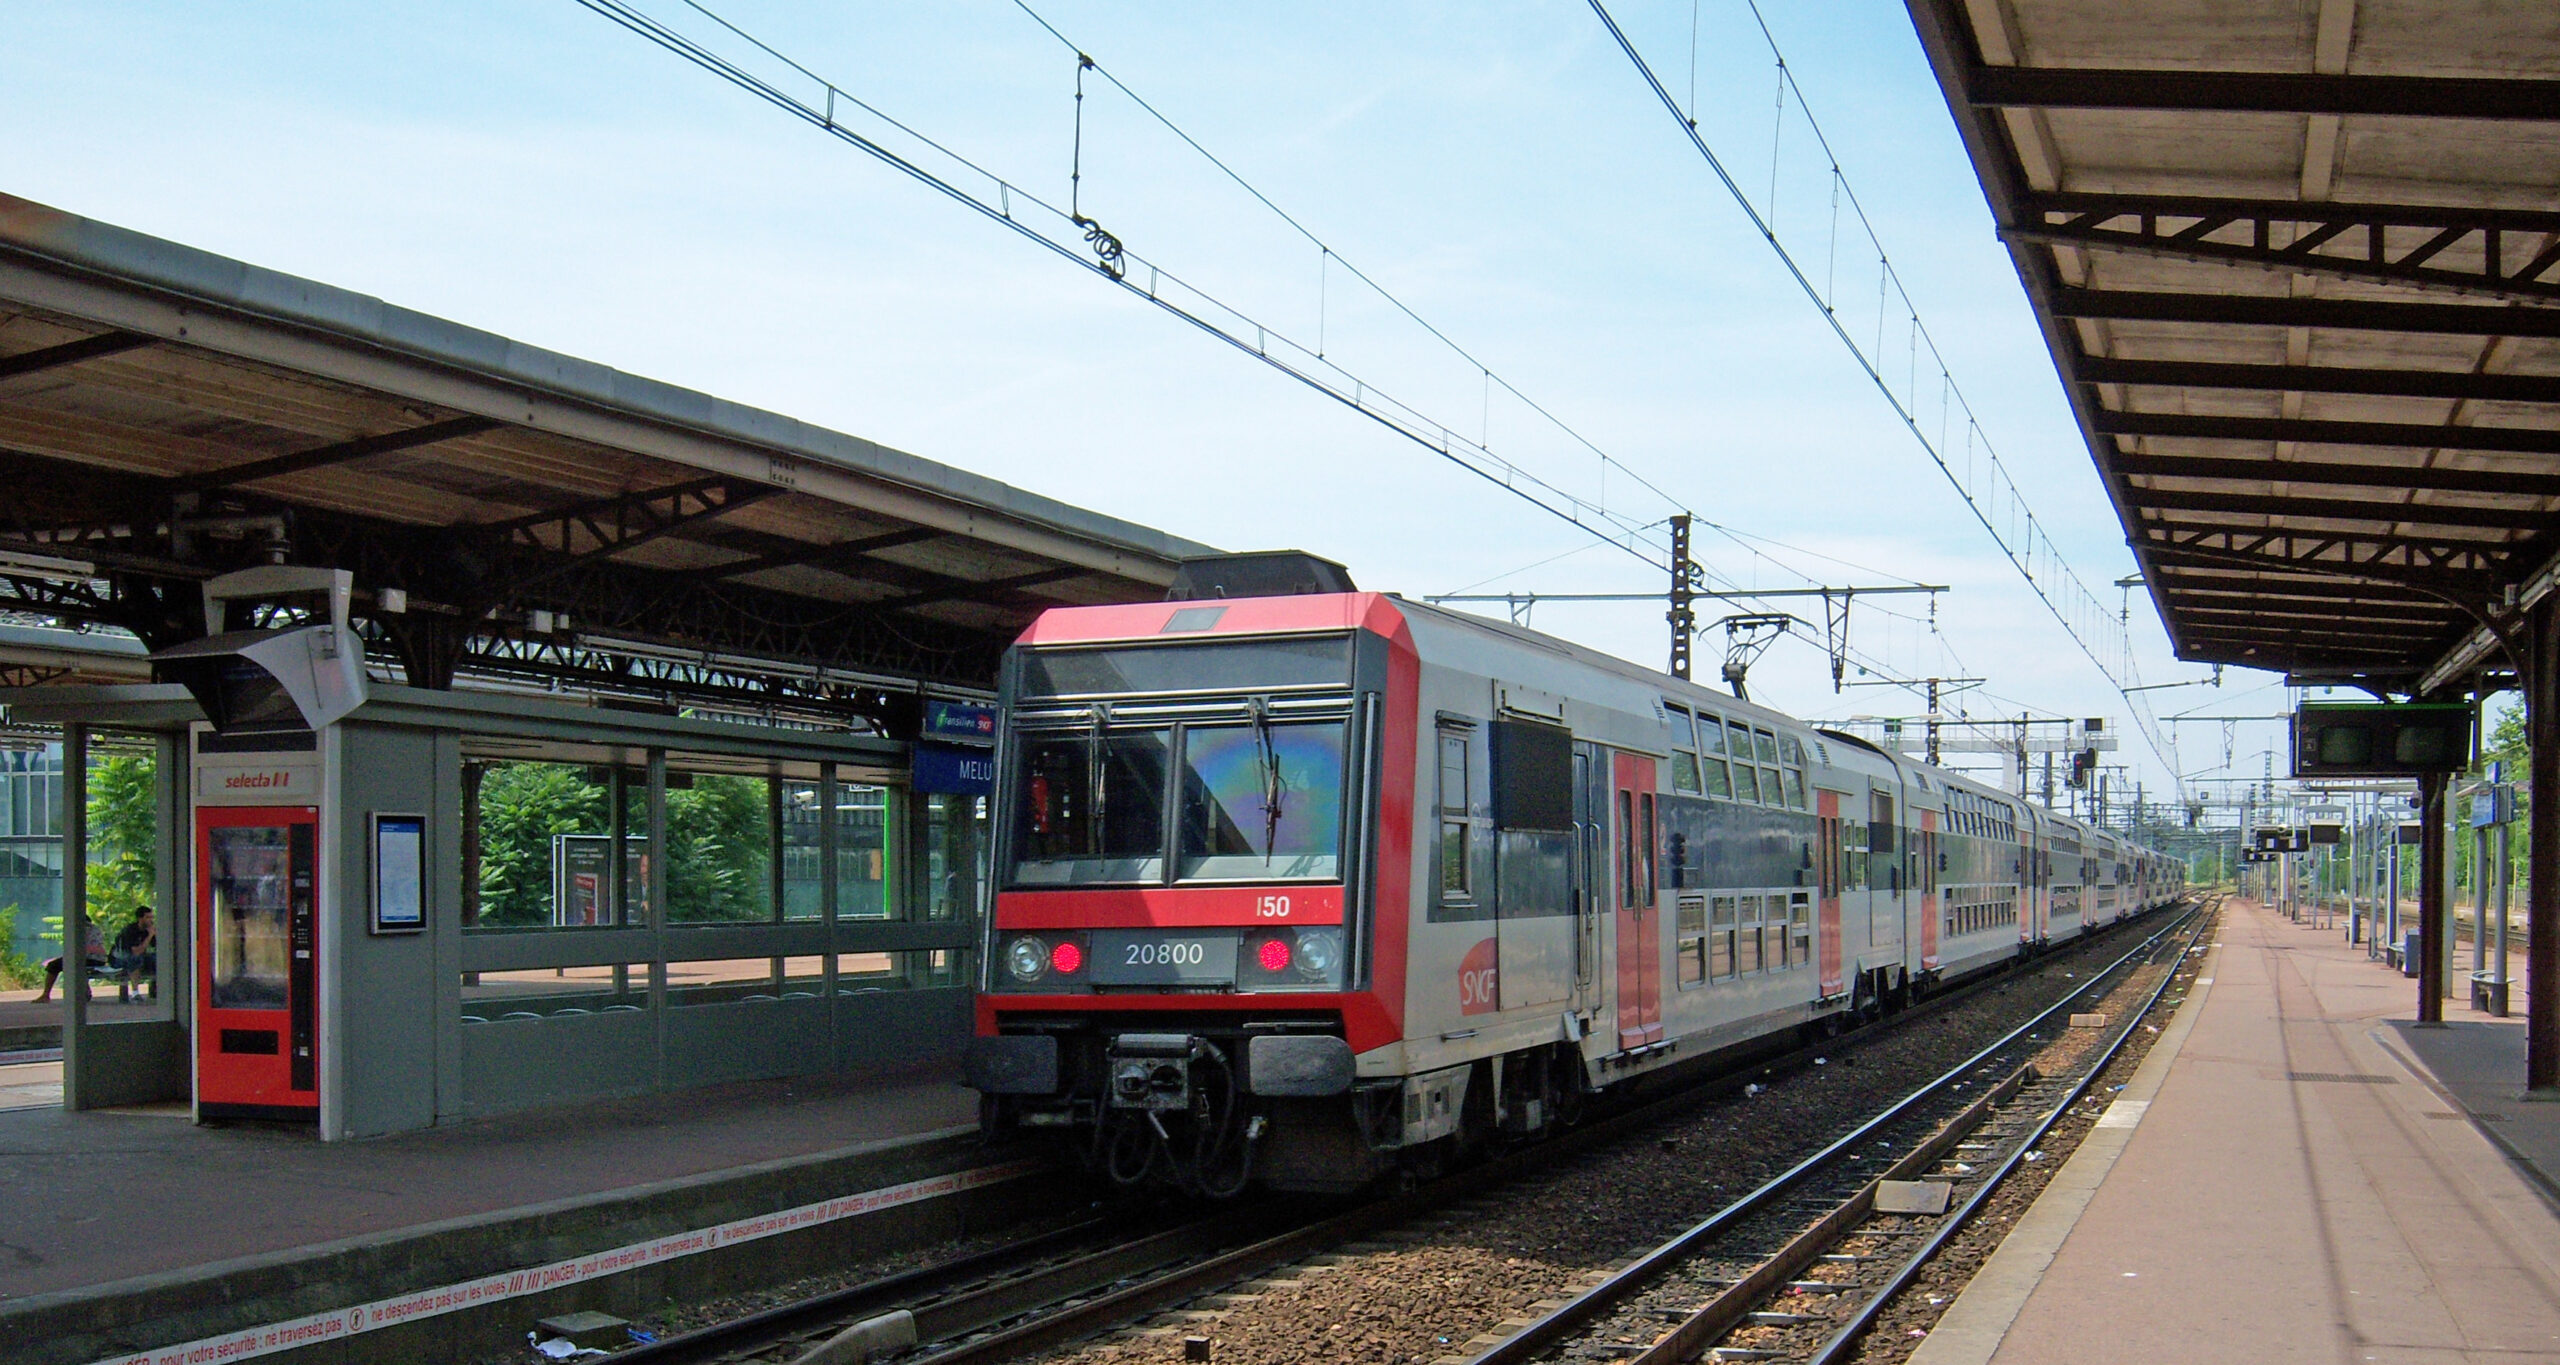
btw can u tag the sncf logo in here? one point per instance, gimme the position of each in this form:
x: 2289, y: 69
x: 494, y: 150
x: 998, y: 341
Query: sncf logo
x: 1479, y: 981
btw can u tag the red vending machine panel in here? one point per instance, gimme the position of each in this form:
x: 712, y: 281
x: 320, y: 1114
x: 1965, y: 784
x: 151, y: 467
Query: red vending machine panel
x: 257, y: 936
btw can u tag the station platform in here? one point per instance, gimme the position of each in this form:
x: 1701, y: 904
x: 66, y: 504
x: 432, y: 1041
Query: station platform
x: 2297, y: 1172
x: 130, y: 1230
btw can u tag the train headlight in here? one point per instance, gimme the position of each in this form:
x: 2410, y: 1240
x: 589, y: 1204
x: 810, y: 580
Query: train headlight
x: 1026, y: 957
x: 1319, y: 951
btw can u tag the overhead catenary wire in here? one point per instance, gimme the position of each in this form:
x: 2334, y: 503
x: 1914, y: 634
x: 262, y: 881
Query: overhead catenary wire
x: 1003, y: 201
x: 1010, y: 205
x: 2032, y: 553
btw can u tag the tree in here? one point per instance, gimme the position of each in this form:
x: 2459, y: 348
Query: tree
x: 522, y: 805
x: 124, y: 837
x: 719, y: 851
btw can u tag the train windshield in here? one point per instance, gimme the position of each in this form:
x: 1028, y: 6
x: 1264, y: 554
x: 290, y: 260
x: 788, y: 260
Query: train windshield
x: 1092, y: 807
x: 1259, y: 800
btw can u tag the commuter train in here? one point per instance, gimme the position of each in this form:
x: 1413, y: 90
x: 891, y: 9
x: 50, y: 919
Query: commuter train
x: 1298, y: 890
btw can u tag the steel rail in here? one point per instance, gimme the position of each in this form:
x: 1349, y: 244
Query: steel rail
x: 880, y: 1295
x: 943, y: 1309
x: 1844, y: 1341
x: 1562, y: 1321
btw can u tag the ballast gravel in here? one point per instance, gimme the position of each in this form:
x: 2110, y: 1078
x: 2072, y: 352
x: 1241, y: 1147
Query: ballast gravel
x: 1465, y: 1274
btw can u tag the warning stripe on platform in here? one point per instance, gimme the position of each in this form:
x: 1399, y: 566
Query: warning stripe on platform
x: 248, y: 1343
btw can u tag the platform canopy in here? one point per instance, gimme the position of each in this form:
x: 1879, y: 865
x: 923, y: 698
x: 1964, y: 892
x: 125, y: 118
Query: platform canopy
x: 2297, y: 262
x: 509, y: 514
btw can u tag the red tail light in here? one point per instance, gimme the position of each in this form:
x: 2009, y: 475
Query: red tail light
x: 1065, y: 957
x: 1273, y: 954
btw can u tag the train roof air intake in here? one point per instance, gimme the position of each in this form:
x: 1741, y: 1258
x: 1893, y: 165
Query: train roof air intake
x: 1258, y: 573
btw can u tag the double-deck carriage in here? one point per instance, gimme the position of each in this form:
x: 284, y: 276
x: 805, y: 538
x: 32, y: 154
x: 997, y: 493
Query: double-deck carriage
x: 1297, y: 889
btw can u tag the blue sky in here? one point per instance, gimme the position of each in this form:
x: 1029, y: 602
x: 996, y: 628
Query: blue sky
x: 532, y: 169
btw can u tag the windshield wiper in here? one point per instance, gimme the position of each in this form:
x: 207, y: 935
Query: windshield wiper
x: 1275, y: 788
x: 1098, y: 778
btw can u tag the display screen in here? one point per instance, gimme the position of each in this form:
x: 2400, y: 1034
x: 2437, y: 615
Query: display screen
x: 399, y: 900
x: 252, y: 699
x: 1256, y: 665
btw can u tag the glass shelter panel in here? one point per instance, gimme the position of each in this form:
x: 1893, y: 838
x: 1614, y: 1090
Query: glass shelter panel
x: 719, y: 842
x: 862, y: 851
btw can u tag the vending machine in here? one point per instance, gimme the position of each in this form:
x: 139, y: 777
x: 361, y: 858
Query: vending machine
x: 270, y: 694
x: 257, y: 954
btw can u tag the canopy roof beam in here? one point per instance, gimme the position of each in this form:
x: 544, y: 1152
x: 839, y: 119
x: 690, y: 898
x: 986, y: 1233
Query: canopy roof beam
x: 2260, y: 92
x: 2198, y: 374
x: 97, y: 347
x: 2434, y: 478
x: 2507, y: 253
x: 2274, y: 310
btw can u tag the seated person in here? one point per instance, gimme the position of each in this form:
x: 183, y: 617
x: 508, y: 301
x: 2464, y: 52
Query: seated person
x: 96, y: 958
x: 136, y: 955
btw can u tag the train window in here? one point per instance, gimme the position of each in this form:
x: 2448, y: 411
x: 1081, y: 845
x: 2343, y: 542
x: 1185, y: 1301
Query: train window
x: 1746, y: 782
x: 1456, y: 851
x: 1800, y: 928
x: 1684, y: 764
x: 1720, y: 939
x: 1261, y: 801
x: 1795, y: 789
x: 1790, y: 751
x: 1738, y: 741
x: 1746, y: 937
x: 1092, y: 807
x: 1652, y: 842
x: 1766, y: 745
x: 1771, y: 791
x: 1693, y: 940
x: 1627, y: 850
x: 1710, y: 736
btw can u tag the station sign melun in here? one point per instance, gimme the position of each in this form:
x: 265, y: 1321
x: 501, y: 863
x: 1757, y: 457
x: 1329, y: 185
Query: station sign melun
x: 2381, y: 739
x: 954, y: 752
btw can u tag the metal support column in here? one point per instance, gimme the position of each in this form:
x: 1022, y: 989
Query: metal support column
x: 2542, y: 850
x: 2505, y: 883
x: 74, y: 982
x: 2431, y: 898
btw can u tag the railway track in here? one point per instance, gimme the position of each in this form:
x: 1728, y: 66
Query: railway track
x: 1804, y: 1264
x: 1018, y: 1300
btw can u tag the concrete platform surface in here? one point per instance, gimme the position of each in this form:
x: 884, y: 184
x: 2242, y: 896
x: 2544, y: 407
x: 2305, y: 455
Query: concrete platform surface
x: 90, y: 1199
x: 2312, y: 1178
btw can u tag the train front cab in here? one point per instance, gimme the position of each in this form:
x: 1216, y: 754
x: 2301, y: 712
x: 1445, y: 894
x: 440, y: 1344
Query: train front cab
x: 1190, y: 853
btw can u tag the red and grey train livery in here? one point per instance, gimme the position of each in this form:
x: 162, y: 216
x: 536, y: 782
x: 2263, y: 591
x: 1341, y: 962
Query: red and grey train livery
x: 1296, y: 889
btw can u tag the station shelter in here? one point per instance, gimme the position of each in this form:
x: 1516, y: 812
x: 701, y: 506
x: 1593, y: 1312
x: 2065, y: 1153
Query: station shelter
x: 488, y: 729
x: 2297, y: 266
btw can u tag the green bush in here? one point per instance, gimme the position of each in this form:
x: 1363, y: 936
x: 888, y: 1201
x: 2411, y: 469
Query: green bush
x: 17, y: 970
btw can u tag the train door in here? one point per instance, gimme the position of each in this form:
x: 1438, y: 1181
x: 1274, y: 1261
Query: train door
x: 1885, y: 876
x: 257, y: 925
x: 2039, y: 905
x: 1926, y: 875
x: 1590, y: 867
x: 1828, y: 869
x: 1639, y: 918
